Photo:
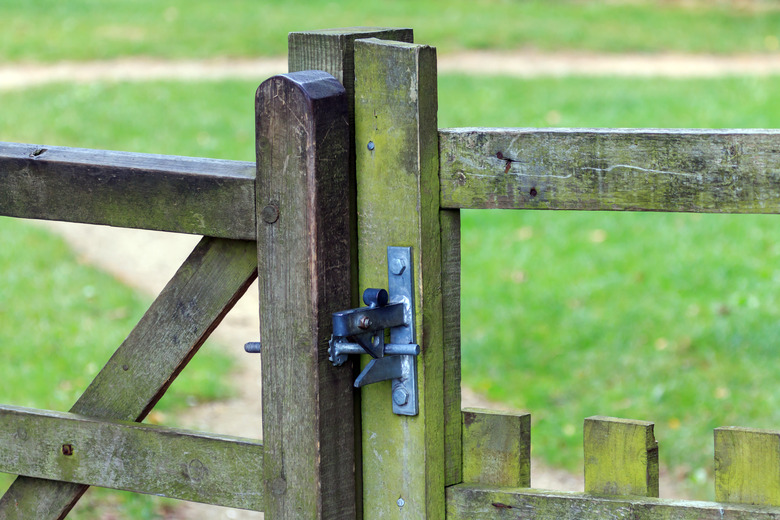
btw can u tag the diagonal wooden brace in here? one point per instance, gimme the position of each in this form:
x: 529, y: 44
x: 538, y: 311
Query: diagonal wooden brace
x: 203, y: 290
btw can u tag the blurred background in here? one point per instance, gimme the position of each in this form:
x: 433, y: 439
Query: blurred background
x: 670, y: 318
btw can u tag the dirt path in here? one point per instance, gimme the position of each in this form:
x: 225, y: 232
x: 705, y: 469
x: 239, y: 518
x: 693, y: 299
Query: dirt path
x: 520, y: 64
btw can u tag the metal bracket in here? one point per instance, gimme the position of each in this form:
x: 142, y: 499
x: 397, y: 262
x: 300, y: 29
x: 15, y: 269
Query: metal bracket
x: 362, y: 331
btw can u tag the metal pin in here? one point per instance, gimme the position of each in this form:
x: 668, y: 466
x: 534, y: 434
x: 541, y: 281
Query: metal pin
x: 253, y: 347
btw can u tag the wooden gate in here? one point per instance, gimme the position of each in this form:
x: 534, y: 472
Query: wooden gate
x: 341, y: 174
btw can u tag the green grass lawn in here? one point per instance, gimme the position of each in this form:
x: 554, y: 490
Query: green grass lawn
x: 662, y: 317
x: 50, y: 30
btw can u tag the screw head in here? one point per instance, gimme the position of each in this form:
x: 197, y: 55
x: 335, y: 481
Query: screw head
x: 270, y: 214
x: 400, y: 396
x: 400, y: 502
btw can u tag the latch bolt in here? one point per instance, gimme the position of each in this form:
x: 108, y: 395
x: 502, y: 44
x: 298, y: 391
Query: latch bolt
x: 362, y: 331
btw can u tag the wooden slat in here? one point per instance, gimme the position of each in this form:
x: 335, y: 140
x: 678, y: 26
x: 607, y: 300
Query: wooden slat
x: 167, y: 193
x: 332, y: 50
x: 304, y: 262
x: 202, y: 291
x: 450, y: 295
x: 621, y: 457
x: 496, y: 448
x: 747, y: 466
x: 216, y: 469
x: 716, y: 171
x: 465, y: 502
x: 395, y: 109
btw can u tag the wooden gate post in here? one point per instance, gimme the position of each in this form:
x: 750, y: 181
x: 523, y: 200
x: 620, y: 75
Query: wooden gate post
x: 398, y: 205
x: 304, y: 271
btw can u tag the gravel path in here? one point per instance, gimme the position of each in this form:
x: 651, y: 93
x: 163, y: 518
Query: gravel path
x: 148, y: 259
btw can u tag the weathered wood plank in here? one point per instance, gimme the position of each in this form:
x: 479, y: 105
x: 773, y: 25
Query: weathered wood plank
x: 496, y: 448
x: 621, y: 457
x: 332, y: 50
x: 162, y: 192
x: 716, y: 171
x: 304, y: 262
x: 450, y: 295
x: 216, y: 469
x: 202, y: 291
x: 395, y: 111
x: 466, y: 502
x: 747, y: 466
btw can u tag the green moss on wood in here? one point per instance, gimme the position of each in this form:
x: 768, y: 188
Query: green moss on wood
x: 747, y: 466
x: 398, y: 205
x: 496, y: 448
x: 465, y: 502
x: 621, y: 457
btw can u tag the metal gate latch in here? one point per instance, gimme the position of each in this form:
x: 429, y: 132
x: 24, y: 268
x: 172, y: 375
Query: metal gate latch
x: 362, y: 331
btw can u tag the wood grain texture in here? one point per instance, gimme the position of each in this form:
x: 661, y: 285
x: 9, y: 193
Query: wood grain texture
x: 202, y: 291
x: 747, y: 466
x: 717, y: 171
x: 215, y: 469
x: 304, y: 263
x: 496, y: 448
x: 621, y: 457
x: 397, y: 180
x: 450, y: 295
x: 466, y: 502
x: 161, y: 192
x: 333, y: 51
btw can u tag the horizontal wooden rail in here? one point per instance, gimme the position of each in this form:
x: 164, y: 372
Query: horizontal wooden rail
x: 483, y: 503
x: 200, y: 467
x: 161, y: 192
x: 715, y: 171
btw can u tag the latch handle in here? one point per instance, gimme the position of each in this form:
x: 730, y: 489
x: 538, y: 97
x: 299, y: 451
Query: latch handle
x: 362, y: 331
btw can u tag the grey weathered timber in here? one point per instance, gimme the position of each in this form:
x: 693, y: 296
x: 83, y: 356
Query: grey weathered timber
x: 303, y: 250
x: 466, y: 502
x: 202, y: 467
x: 398, y: 205
x: 162, y: 192
x: 202, y: 291
x: 496, y: 448
x: 716, y: 171
x: 450, y: 303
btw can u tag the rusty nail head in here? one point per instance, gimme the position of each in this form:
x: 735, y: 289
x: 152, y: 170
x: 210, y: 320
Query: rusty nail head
x: 67, y: 450
x: 270, y: 214
x: 364, y: 322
